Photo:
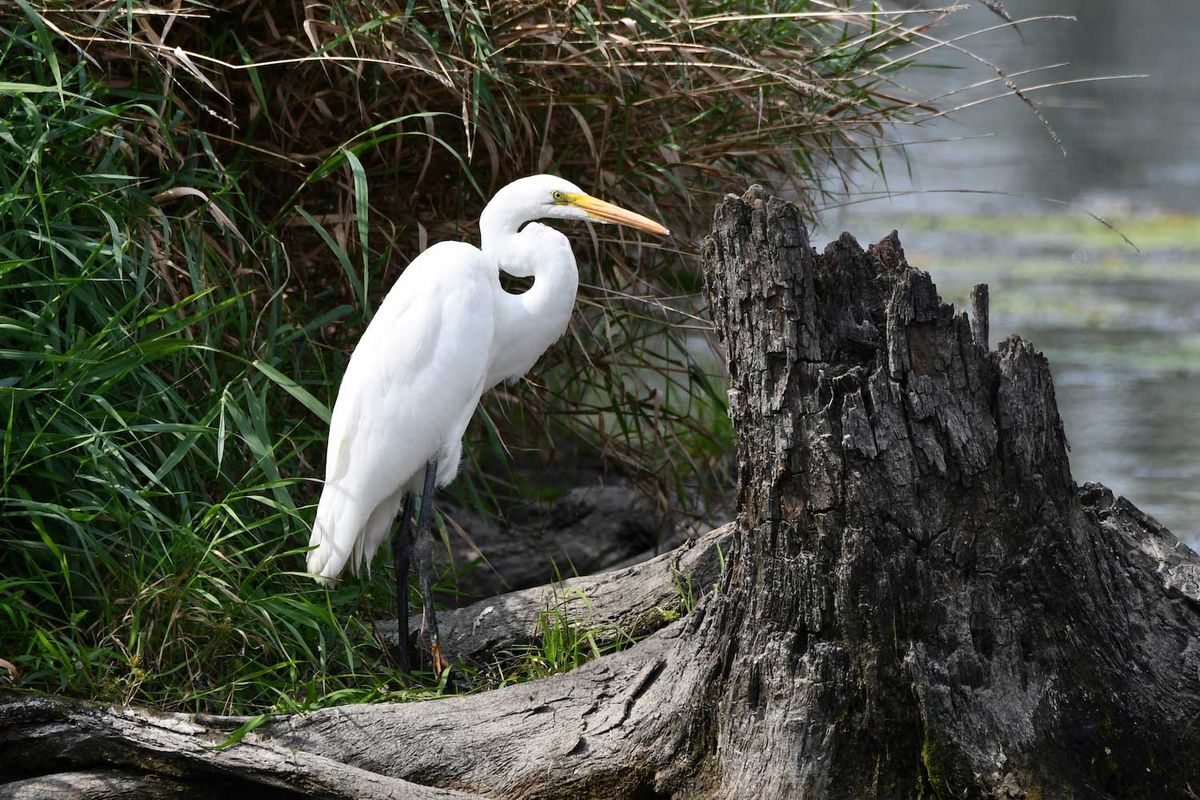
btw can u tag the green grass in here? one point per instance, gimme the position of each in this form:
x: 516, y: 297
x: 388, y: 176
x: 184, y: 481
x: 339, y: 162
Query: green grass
x: 152, y: 509
x: 563, y: 640
x: 189, y: 244
x: 561, y: 644
x: 366, y: 129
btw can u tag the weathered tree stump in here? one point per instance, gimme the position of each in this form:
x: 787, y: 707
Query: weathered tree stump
x: 923, y: 602
x: 919, y: 601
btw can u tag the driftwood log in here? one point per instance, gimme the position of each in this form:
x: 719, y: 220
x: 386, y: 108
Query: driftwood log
x: 588, y: 528
x: 918, y: 601
x: 616, y: 605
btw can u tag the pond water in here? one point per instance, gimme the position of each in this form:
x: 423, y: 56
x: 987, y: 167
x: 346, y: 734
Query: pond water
x: 1121, y: 327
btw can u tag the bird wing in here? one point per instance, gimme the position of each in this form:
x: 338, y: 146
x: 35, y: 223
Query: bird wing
x: 409, y: 391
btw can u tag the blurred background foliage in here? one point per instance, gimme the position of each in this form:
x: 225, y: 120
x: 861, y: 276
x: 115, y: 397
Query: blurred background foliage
x: 199, y: 208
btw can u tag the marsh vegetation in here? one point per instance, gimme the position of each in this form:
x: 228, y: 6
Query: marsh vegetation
x: 199, y: 211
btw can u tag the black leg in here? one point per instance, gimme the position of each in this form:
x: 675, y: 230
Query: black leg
x: 424, y: 547
x: 402, y: 559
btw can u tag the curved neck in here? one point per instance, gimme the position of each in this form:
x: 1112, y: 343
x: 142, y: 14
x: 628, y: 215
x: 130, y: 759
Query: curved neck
x: 497, y: 224
x: 528, y: 323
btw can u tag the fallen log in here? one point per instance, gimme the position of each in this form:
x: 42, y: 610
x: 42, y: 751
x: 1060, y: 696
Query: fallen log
x: 588, y: 528
x: 61, y: 749
x: 621, y: 604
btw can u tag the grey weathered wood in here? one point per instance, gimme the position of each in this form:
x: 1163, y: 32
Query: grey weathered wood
x: 582, y: 733
x: 607, y: 729
x: 43, y: 737
x: 923, y: 603
x: 980, y: 323
x: 919, y: 601
x: 588, y: 528
x: 630, y: 602
x: 100, y: 785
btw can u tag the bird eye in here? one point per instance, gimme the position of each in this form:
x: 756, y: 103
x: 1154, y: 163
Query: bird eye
x: 558, y: 196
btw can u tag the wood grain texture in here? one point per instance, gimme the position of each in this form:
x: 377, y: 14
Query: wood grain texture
x: 101, y: 785
x: 924, y: 603
x: 44, y: 737
x: 630, y: 602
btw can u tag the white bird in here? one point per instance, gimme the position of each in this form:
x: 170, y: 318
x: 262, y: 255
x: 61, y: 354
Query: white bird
x: 445, y: 333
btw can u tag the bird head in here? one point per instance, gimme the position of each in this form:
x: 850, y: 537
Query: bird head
x: 551, y: 197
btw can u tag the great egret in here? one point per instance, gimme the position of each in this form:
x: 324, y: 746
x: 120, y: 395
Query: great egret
x: 445, y: 333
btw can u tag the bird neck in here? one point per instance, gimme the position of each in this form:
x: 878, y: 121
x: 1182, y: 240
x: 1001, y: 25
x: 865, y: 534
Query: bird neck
x: 498, y: 224
x: 528, y: 323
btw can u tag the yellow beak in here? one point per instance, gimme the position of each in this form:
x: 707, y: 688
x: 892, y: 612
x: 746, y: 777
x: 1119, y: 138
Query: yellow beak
x: 607, y: 212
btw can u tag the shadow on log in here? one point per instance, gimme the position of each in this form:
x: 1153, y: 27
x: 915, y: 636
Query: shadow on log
x: 919, y: 601
x: 588, y: 528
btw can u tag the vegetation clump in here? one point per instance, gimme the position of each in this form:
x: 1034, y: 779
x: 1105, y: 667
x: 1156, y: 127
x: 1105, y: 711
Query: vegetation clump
x: 199, y: 209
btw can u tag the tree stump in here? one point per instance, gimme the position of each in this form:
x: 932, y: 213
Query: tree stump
x: 918, y: 601
x: 923, y: 602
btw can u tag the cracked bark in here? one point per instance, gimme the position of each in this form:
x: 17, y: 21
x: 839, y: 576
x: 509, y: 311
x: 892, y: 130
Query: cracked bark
x: 919, y: 601
x: 923, y: 601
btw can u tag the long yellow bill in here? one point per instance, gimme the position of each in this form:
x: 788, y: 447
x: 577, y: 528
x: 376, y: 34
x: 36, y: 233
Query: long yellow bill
x: 607, y: 212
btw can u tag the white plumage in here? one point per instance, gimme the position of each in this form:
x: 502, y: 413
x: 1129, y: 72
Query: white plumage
x: 409, y: 391
x: 445, y: 333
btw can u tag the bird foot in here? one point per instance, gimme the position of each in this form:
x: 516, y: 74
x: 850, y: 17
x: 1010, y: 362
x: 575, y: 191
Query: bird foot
x: 440, y: 665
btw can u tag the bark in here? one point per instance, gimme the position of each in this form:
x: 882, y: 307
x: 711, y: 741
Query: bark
x: 923, y: 603
x: 44, y: 740
x: 585, y: 733
x: 919, y: 601
x: 99, y: 785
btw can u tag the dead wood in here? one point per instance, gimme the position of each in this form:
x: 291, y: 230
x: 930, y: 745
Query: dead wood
x: 587, y: 529
x: 923, y: 603
x: 44, y: 739
x: 614, y: 606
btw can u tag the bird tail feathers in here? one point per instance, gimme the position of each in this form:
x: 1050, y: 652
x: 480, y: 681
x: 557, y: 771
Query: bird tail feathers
x: 333, y: 535
x: 348, y: 532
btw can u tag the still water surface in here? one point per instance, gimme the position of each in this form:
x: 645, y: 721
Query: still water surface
x: 1121, y: 328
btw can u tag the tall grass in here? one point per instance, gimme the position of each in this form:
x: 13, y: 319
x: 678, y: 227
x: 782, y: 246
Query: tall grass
x: 151, y: 499
x: 199, y: 209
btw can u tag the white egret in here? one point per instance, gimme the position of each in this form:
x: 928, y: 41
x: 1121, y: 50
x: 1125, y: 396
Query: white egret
x: 445, y: 333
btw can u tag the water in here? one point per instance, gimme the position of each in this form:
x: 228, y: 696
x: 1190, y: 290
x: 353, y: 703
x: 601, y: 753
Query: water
x: 1131, y: 144
x: 1121, y: 328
